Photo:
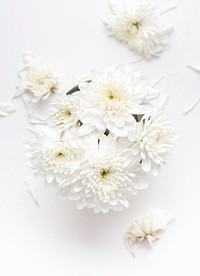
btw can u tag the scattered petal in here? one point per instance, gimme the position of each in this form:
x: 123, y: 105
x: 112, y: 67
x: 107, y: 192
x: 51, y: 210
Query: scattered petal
x: 31, y: 187
x: 6, y: 108
x: 195, y: 67
x: 172, y: 7
x: 192, y: 106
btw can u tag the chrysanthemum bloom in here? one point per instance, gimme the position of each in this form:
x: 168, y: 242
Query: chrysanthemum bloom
x: 108, y: 178
x: 152, y: 139
x: 37, y: 79
x: 65, y: 114
x: 147, y: 227
x: 139, y: 27
x: 112, y: 98
x: 52, y: 158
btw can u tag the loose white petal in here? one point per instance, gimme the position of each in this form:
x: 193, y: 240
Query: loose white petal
x: 31, y: 187
x: 147, y: 227
x: 6, y: 108
x: 195, y: 103
x: 172, y: 7
x: 191, y: 107
x: 195, y: 67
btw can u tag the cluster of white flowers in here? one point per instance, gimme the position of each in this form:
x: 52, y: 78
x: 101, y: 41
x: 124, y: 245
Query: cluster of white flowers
x: 139, y: 26
x: 103, y: 139
x: 147, y: 227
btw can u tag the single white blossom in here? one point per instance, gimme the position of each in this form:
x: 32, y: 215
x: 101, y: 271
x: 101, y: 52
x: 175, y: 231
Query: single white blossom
x: 37, y: 78
x: 6, y: 108
x: 65, y: 113
x: 140, y: 27
x: 112, y: 98
x: 109, y: 177
x: 53, y: 157
x: 37, y: 82
x: 147, y: 227
x: 152, y: 139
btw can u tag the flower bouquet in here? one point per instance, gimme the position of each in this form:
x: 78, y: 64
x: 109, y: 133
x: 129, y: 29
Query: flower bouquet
x: 102, y: 137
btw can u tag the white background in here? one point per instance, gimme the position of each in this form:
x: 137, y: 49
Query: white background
x: 56, y: 239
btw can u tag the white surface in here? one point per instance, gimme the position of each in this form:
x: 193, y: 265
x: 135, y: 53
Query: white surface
x: 57, y: 239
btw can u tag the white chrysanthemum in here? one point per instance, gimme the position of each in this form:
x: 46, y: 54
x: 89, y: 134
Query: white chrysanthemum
x: 152, y: 141
x: 139, y: 27
x: 6, y: 108
x: 109, y: 177
x: 111, y: 99
x: 65, y: 113
x: 37, y: 79
x: 52, y: 158
x: 147, y: 227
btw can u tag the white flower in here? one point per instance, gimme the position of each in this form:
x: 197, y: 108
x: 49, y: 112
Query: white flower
x: 112, y: 98
x: 147, y: 227
x: 51, y: 157
x: 139, y: 27
x: 6, y: 108
x: 37, y: 79
x: 152, y: 141
x: 108, y: 178
x: 65, y: 113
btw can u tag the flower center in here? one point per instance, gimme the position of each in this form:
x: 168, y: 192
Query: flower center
x: 41, y: 79
x: 113, y: 94
x: 67, y: 113
x: 159, y: 139
x: 105, y: 173
x: 113, y: 98
x: 53, y: 89
x: 60, y: 156
x: 136, y: 24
